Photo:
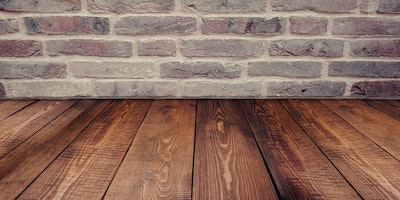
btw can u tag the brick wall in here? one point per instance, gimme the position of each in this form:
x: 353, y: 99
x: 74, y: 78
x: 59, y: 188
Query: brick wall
x: 194, y: 49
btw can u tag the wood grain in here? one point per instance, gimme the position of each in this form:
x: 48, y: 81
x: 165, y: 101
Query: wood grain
x: 373, y: 172
x: 299, y: 168
x: 21, y: 166
x: 228, y: 164
x: 158, y: 165
x: 85, y: 169
x: 9, y: 107
x: 387, y: 107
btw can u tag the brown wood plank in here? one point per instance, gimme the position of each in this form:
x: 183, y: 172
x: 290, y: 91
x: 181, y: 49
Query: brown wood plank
x: 158, y: 164
x: 21, y: 166
x: 9, y: 107
x: 228, y: 164
x: 85, y: 169
x: 299, y: 168
x: 379, y: 127
x: 373, y: 172
x: 386, y: 107
x: 22, y: 125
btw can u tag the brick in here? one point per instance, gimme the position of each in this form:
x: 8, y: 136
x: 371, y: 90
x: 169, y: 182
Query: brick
x: 8, y: 26
x: 316, y: 48
x: 389, y: 6
x: 308, y: 25
x: 157, y: 48
x: 145, y: 25
x: 137, y: 70
x: 296, y: 69
x: 332, y: 6
x: 20, y: 48
x: 199, y: 70
x: 243, y: 25
x: 376, y: 89
x: 375, y: 48
x: 42, y: 6
x: 369, y: 6
x: 365, y: 69
x: 2, y: 90
x: 63, y: 25
x: 222, y: 48
x: 223, y: 6
x: 366, y: 26
x: 130, y: 6
x: 100, y: 48
x: 221, y: 89
x: 306, y: 89
x: 25, y: 70
x: 142, y: 89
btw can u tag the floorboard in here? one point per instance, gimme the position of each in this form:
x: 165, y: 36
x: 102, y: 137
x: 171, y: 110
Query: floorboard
x: 9, y: 107
x: 391, y: 109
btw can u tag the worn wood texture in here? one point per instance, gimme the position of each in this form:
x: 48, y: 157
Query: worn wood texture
x: 228, y: 164
x: 158, y: 164
x: 9, y: 107
x: 391, y: 108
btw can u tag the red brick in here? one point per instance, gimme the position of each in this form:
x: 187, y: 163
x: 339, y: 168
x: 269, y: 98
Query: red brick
x: 316, y: 48
x: 376, y: 89
x: 331, y: 6
x: 8, y: 26
x: 100, y: 48
x: 2, y: 90
x: 308, y: 25
x: 375, y: 48
x: 130, y: 6
x: 20, y: 48
x: 42, y: 6
x: 366, y: 26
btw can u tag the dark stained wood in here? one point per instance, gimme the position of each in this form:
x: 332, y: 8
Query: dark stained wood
x: 21, y: 166
x: 387, y: 107
x: 228, y: 164
x: 9, y: 107
x: 85, y: 169
x: 158, y: 164
x: 299, y: 168
x: 369, y: 169
x: 22, y: 125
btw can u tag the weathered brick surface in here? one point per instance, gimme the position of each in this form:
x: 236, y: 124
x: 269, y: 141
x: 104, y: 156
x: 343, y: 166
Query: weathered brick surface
x: 389, y: 6
x: 376, y: 89
x: 20, y: 48
x: 366, y: 26
x: 62, y: 25
x: 224, y: 6
x: 375, y: 48
x: 365, y: 69
x: 2, y: 90
x: 317, y: 48
x: 157, y: 48
x: 130, y: 6
x: 222, y: 48
x: 29, y: 70
x: 145, y: 25
x: 243, y: 25
x: 136, y: 70
x: 142, y: 89
x: 297, y: 69
x: 222, y: 89
x: 306, y: 89
x: 308, y: 25
x: 89, y: 48
x: 199, y: 70
x: 43, y: 6
x: 332, y: 6
x: 8, y: 26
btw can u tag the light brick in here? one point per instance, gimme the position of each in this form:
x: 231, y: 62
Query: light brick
x: 8, y: 26
x: 63, y: 25
x: 25, y: 70
x: 20, y: 48
x: 222, y: 48
x: 306, y: 89
x: 199, y: 70
x: 42, y: 6
x: 375, y: 48
x: 389, y: 6
x: 369, y: 6
x: 145, y: 25
x: 308, y: 25
x: 2, y: 90
x: 130, y: 6
x: 157, y: 48
x: 365, y: 69
x: 316, y: 48
x: 332, y: 6
x: 137, y: 70
x: 223, y: 6
x: 366, y: 26
x: 100, y: 48
x: 135, y: 89
x: 296, y: 69
x: 204, y: 89
x: 376, y: 89
x: 243, y: 25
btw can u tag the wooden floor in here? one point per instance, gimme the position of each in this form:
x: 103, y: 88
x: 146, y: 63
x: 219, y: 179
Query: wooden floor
x: 204, y: 149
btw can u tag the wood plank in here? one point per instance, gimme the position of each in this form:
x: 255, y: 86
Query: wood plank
x: 9, y: 107
x: 373, y: 172
x: 299, y: 168
x: 20, y: 167
x: 22, y: 125
x: 85, y: 169
x: 386, y: 107
x: 228, y: 164
x: 379, y: 127
x: 158, y: 164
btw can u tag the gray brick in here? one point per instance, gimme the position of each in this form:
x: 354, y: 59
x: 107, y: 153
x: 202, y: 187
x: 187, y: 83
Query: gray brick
x: 24, y: 70
x: 376, y: 89
x: 2, y: 90
x: 308, y: 25
x: 222, y: 89
x: 145, y: 25
x: 84, y: 47
x: 8, y: 26
x: 136, y: 89
x: 316, y: 48
x: 130, y: 6
x: 365, y: 69
x: 42, y: 6
x: 157, y: 48
x: 366, y: 26
x: 199, y: 70
x: 332, y: 6
x: 306, y: 89
x: 223, y: 6
x: 389, y: 6
x: 375, y: 48
x: 297, y: 69
x: 136, y: 70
